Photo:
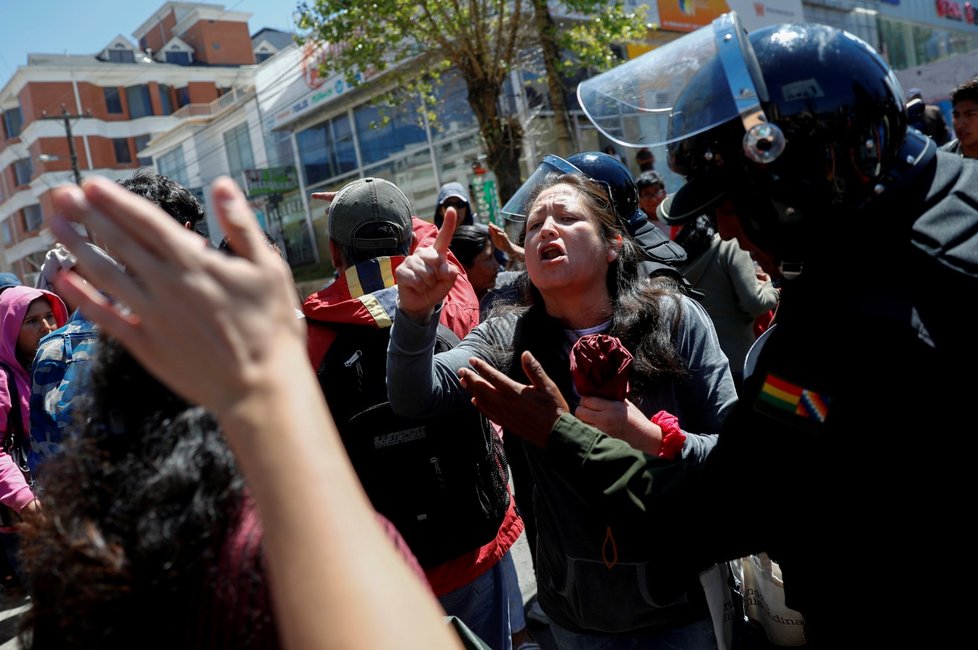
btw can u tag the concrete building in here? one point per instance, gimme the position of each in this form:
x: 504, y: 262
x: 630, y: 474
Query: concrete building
x: 115, y: 100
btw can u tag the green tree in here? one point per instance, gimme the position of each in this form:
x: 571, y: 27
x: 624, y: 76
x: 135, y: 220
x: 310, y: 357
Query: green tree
x: 587, y: 30
x: 409, y: 43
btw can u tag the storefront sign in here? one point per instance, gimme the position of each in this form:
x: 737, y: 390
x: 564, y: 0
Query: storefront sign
x: 962, y: 12
x: 690, y: 15
x: 271, y: 180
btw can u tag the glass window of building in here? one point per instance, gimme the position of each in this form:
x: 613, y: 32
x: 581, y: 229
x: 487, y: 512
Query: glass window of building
x: 113, y: 101
x: 139, y: 101
x: 178, y: 58
x: 452, y: 107
x: 905, y: 45
x: 166, y: 105
x: 8, y: 233
x: 237, y: 143
x: 326, y: 150
x: 121, y: 56
x: 33, y: 218
x: 141, y: 142
x: 23, y: 171
x: 172, y: 165
x: 121, y: 148
x: 344, y: 151
x: 13, y: 121
x: 263, y: 56
x: 279, y: 145
x: 314, y: 149
x: 388, y: 130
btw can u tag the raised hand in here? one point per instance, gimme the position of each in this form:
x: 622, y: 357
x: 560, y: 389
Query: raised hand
x: 208, y: 325
x: 425, y: 277
x: 528, y: 411
x: 502, y: 242
x: 221, y: 331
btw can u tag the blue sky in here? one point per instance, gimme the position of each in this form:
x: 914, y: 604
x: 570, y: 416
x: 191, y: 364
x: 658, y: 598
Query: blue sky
x: 74, y: 27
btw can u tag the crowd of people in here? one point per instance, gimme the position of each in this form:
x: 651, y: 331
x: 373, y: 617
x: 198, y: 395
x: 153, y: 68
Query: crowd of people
x: 762, y: 362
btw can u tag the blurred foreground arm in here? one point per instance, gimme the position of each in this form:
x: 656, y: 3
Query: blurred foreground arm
x: 336, y: 580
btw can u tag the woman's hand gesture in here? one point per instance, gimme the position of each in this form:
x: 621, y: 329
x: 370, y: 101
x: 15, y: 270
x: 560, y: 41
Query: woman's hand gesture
x: 425, y: 277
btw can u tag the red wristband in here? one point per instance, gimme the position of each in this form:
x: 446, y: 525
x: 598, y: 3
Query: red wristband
x: 673, y: 437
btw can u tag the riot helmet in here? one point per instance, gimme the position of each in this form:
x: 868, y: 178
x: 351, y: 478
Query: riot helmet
x: 606, y: 170
x: 793, y: 125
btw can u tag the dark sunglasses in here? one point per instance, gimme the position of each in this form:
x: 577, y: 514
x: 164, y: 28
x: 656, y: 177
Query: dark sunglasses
x: 458, y: 204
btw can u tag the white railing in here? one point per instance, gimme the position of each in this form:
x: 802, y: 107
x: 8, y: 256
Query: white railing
x: 216, y: 107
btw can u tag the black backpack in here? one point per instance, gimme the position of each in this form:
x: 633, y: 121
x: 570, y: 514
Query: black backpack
x: 440, y: 480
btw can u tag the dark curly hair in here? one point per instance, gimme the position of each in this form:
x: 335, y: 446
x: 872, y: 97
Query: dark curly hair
x: 172, y: 197
x: 140, y: 511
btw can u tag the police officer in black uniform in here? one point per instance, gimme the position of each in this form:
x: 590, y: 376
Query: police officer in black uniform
x: 850, y: 457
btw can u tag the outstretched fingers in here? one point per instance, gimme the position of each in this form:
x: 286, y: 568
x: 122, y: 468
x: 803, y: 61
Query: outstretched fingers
x: 73, y: 208
x: 139, y: 229
x: 113, y: 318
x: 495, y: 378
x: 237, y: 220
x: 535, y: 372
x: 447, y: 231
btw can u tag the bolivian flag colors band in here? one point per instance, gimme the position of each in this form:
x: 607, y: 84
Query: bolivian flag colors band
x: 372, y: 283
x: 784, y: 396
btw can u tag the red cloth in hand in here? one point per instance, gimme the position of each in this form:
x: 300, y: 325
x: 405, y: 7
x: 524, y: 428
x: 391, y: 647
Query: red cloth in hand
x: 599, y: 366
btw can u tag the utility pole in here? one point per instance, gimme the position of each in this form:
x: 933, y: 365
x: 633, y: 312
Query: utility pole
x: 66, y: 118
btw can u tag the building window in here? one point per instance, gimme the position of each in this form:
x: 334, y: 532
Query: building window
x: 378, y: 140
x: 326, y: 150
x: 8, y: 233
x: 237, y: 143
x: 33, y: 218
x: 279, y: 145
x: 183, y: 97
x: 452, y: 107
x: 121, y: 56
x: 178, y: 58
x: 12, y: 122
x: 165, y: 104
x: 141, y: 142
x: 113, y: 101
x: 263, y: 56
x: 172, y: 165
x: 122, y: 153
x: 139, y: 102
x: 23, y: 171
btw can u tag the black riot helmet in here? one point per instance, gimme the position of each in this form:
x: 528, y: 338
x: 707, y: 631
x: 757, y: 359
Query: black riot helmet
x: 795, y: 125
x: 615, y: 176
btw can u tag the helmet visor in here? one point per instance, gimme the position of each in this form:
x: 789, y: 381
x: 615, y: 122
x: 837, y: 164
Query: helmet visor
x: 635, y: 103
x: 518, y: 205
